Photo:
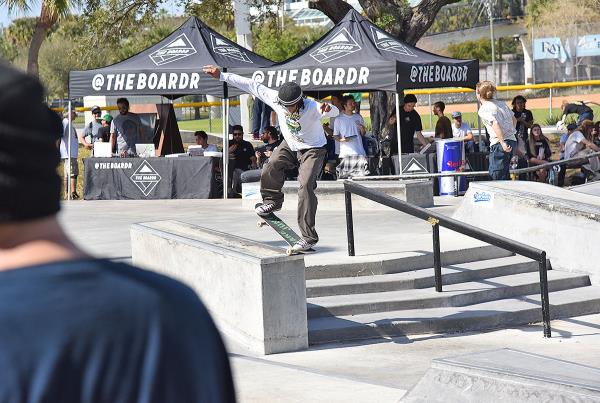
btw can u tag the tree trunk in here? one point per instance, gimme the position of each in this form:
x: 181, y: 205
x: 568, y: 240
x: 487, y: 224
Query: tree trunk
x: 34, y: 48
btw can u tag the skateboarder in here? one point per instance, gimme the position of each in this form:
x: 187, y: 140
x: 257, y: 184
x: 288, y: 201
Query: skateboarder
x: 303, y: 147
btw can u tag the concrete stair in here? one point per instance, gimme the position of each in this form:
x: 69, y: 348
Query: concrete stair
x: 477, y: 295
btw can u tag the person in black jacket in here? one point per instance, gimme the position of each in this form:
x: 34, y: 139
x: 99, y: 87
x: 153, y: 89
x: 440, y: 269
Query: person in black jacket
x: 537, y: 150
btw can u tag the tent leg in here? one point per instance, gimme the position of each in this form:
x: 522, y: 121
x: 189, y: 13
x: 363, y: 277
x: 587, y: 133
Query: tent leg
x: 399, y: 131
x: 225, y: 172
x: 68, y: 161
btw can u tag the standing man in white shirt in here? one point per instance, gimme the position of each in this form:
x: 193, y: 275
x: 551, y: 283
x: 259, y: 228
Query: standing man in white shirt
x: 69, y: 154
x: 303, y: 147
x: 349, y: 130
x: 462, y: 130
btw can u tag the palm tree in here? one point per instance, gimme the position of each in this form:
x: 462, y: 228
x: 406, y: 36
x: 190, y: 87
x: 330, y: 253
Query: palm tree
x: 51, y: 12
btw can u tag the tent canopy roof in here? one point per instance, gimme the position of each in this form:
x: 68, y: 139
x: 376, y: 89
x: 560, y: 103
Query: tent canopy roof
x: 357, y: 55
x: 172, y: 67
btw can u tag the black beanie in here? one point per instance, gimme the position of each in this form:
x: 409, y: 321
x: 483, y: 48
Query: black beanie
x: 289, y: 94
x: 29, y: 131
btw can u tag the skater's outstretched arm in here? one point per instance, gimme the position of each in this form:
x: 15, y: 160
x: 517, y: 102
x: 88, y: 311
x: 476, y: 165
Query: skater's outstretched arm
x: 265, y: 94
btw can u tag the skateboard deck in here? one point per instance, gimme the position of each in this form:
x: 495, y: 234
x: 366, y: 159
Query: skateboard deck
x: 284, y: 230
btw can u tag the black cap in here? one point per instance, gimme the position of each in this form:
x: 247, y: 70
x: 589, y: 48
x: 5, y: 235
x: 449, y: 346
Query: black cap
x: 410, y: 98
x: 289, y: 94
x: 571, y: 126
x: 96, y: 109
x: 28, y: 155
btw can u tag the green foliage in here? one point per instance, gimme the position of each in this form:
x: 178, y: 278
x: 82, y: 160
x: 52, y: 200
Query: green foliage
x: 482, y: 49
x: 269, y: 42
x: 385, y: 21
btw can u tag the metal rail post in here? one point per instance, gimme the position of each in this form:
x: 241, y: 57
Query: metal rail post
x: 437, y: 263
x: 544, y: 295
x: 349, y: 223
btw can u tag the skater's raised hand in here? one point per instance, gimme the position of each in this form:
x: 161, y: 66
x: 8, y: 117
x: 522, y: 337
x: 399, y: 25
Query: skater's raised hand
x: 212, y: 71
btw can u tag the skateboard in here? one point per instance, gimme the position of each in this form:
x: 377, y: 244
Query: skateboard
x: 284, y: 230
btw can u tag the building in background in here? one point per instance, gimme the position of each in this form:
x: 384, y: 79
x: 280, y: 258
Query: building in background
x: 302, y: 15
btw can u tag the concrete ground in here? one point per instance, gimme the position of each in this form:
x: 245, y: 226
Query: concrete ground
x: 367, y: 371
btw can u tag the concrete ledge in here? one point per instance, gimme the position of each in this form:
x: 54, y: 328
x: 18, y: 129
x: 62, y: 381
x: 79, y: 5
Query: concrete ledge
x: 256, y: 294
x: 506, y: 375
x: 331, y: 194
x: 559, y: 221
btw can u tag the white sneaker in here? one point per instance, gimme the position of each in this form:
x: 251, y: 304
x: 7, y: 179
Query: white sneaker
x: 303, y: 245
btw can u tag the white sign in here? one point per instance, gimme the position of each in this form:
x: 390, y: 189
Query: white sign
x: 226, y: 49
x: 436, y: 73
x: 484, y: 199
x: 145, y: 178
x: 177, y: 49
x: 326, y: 76
x: 414, y: 167
x: 340, y: 45
x: 143, y: 81
x: 385, y: 42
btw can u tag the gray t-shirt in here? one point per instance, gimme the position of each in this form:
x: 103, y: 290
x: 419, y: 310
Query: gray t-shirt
x: 127, y: 128
x: 93, y: 131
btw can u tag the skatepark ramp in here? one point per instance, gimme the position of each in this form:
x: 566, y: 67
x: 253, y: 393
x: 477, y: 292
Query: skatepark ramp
x: 497, y: 290
x: 505, y: 375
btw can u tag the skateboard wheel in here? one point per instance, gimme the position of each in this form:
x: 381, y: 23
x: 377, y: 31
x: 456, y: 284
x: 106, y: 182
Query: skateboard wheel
x: 289, y: 251
x: 260, y: 224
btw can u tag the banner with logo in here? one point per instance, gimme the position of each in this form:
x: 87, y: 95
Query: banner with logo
x: 172, y: 67
x: 356, y: 55
x: 549, y: 48
x: 588, y: 45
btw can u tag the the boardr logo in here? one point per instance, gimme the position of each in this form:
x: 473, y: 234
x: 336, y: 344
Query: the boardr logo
x: 145, y: 178
x: 479, y: 197
x: 177, y: 49
x: 340, y: 45
x: 389, y: 44
x: 223, y: 48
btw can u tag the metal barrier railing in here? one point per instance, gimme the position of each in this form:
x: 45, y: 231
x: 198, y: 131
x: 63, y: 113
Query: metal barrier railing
x: 570, y: 161
x: 435, y: 220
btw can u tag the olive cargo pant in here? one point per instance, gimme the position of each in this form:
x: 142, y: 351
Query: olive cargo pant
x: 309, y: 163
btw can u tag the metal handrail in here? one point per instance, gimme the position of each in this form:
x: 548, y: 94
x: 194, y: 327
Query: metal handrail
x: 569, y: 161
x: 436, y: 219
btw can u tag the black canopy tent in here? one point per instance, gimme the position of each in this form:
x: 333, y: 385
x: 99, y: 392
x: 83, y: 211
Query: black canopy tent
x: 173, y: 68
x: 357, y: 55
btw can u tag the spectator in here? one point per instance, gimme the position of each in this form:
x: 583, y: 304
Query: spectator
x: 410, y: 125
x: 93, y: 131
x: 524, y: 117
x: 596, y: 133
x: 538, y: 151
x: 333, y: 147
x: 242, y: 158
x: 70, y: 152
x: 443, y: 127
x: 462, y: 130
x: 261, y: 117
x: 357, y: 96
x: 349, y: 130
x: 125, y: 129
x: 79, y: 329
x: 580, y: 143
x: 500, y: 124
x: 271, y: 137
x: 105, y: 132
x: 583, y: 111
x: 563, y: 139
x: 202, y: 140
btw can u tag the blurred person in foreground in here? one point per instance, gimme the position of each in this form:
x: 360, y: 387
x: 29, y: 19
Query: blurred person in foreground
x: 75, y: 328
x: 500, y: 123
